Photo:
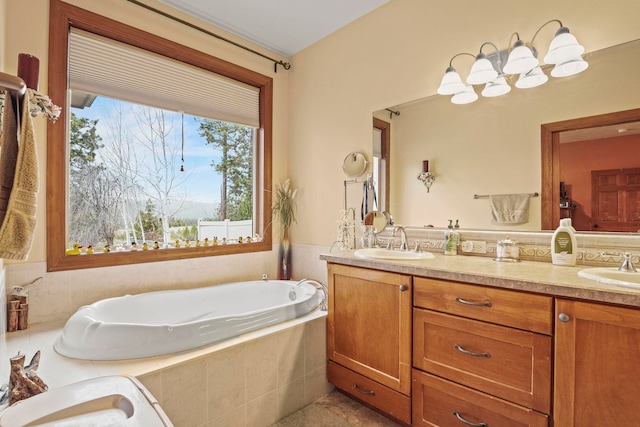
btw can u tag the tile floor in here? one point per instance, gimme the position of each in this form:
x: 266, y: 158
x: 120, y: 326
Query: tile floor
x: 335, y: 410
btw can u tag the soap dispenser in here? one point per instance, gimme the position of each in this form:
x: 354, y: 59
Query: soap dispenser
x: 451, y: 240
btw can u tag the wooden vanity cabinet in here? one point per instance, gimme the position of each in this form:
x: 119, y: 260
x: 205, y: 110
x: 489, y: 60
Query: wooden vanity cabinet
x: 369, y: 337
x: 597, y: 365
x: 480, y: 355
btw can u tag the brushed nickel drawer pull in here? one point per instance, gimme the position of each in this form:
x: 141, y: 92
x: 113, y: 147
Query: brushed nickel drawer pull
x: 476, y: 304
x: 469, y: 423
x: 369, y: 393
x: 471, y: 353
x: 403, y: 288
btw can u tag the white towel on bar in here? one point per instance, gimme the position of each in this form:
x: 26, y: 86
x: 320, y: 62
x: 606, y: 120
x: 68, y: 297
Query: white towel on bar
x: 509, y: 208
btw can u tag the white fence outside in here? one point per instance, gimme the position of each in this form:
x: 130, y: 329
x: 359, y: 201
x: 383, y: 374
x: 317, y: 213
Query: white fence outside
x: 231, y: 230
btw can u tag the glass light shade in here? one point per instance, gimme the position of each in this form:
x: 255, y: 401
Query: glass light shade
x: 466, y: 96
x: 569, y: 68
x: 496, y: 88
x: 531, y: 79
x: 520, y: 60
x: 563, y: 47
x: 451, y: 82
x: 482, y: 71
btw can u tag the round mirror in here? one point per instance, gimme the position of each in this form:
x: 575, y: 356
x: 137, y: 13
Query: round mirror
x: 377, y: 220
x: 354, y: 164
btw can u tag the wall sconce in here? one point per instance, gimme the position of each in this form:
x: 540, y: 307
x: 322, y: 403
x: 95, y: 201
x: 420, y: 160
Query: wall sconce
x: 425, y: 176
x: 564, y: 52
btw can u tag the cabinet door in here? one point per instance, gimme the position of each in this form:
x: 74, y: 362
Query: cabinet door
x: 369, y: 324
x: 597, y: 370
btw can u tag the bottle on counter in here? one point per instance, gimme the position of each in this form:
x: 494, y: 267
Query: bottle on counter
x: 451, y: 239
x: 563, y: 244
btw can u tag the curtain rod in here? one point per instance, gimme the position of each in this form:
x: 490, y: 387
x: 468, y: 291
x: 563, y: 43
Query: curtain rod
x: 12, y: 83
x: 285, y: 65
x: 486, y: 196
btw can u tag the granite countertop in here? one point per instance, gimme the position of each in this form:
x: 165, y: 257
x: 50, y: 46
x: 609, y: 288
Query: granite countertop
x: 530, y: 276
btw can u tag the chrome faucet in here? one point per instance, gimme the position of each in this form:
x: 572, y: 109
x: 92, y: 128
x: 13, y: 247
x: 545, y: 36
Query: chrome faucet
x: 319, y: 286
x: 404, y: 244
x: 627, y: 263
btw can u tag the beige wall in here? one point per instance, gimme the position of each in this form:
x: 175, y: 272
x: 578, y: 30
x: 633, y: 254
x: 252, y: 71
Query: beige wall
x: 398, y: 53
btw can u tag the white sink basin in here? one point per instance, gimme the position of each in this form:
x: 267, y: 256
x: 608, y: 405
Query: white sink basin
x: 378, y: 253
x: 611, y: 276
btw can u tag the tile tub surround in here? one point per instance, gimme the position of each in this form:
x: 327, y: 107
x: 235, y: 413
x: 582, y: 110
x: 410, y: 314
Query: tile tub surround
x: 252, y: 380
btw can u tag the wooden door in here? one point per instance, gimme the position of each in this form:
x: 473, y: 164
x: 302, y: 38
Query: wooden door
x: 615, y: 201
x: 597, y: 372
x: 369, y: 324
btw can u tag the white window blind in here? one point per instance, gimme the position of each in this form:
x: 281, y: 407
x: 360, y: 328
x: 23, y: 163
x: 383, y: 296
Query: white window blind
x: 102, y: 66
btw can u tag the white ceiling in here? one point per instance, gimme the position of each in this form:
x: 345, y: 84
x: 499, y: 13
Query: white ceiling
x: 282, y: 26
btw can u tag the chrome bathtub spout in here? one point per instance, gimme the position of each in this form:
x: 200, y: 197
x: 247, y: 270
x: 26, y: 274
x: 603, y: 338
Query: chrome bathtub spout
x: 404, y: 244
x: 321, y: 287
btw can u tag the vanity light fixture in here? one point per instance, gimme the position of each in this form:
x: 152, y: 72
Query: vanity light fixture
x: 425, y: 176
x: 564, y: 52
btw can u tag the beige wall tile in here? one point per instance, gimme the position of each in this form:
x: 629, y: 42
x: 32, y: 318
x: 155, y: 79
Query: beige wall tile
x: 263, y: 411
x: 290, y: 354
x: 226, y: 381
x: 153, y: 383
x: 315, y: 340
x: 316, y: 384
x: 235, y: 418
x: 261, y: 366
x: 291, y: 397
x: 184, y: 394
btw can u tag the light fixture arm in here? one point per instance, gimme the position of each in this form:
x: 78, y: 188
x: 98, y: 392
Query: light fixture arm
x: 498, y: 60
x: 459, y: 54
x: 544, y: 25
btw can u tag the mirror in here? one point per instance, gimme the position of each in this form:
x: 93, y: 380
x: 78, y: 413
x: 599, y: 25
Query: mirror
x: 354, y: 164
x: 378, y: 220
x: 494, y: 146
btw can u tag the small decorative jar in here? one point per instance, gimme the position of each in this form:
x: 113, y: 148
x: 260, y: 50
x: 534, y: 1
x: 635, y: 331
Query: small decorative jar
x: 507, y: 250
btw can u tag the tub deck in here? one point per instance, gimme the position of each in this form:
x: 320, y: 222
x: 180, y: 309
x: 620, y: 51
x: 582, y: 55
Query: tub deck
x: 294, y: 373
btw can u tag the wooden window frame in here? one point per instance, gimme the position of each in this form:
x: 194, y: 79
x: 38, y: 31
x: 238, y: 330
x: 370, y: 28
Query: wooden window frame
x: 62, y: 17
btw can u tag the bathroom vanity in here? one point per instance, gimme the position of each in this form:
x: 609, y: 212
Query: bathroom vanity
x: 483, y: 343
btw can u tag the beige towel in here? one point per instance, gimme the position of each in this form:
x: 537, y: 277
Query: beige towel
x: 509, y: 208
x: 19, y: 222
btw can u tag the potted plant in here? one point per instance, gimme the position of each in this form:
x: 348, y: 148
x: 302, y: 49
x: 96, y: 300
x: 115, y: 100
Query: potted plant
x: 284, y: 210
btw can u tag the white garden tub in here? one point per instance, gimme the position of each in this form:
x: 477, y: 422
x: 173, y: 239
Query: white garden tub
x: 164, y: 322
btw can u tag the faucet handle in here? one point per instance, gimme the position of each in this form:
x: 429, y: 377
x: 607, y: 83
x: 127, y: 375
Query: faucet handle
x: 418, y: 248
x: 627, y: 263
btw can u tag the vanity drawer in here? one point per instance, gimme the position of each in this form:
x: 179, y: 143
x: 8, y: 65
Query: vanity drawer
x: 437, y: 401
x: 504, y: 362
x: 505, y: 307
x: 388, y: 401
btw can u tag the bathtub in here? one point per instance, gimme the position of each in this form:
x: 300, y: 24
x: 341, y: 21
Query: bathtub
x: 164, y: 322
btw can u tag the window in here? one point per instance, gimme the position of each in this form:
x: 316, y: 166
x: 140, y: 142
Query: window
x: 146, y: 110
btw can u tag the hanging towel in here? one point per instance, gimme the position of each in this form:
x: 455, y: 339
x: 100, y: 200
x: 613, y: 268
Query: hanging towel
x: 509, y: 208
x: 19, y: 222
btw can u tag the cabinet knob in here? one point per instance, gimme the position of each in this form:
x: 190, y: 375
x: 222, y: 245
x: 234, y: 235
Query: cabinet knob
x: 563, y: 317
x: 403, y: 288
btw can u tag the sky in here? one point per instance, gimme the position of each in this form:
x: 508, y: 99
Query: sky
x: 199, y: 181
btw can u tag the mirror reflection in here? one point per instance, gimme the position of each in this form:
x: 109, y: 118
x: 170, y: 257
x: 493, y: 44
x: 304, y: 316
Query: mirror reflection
x: 494, y: 147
